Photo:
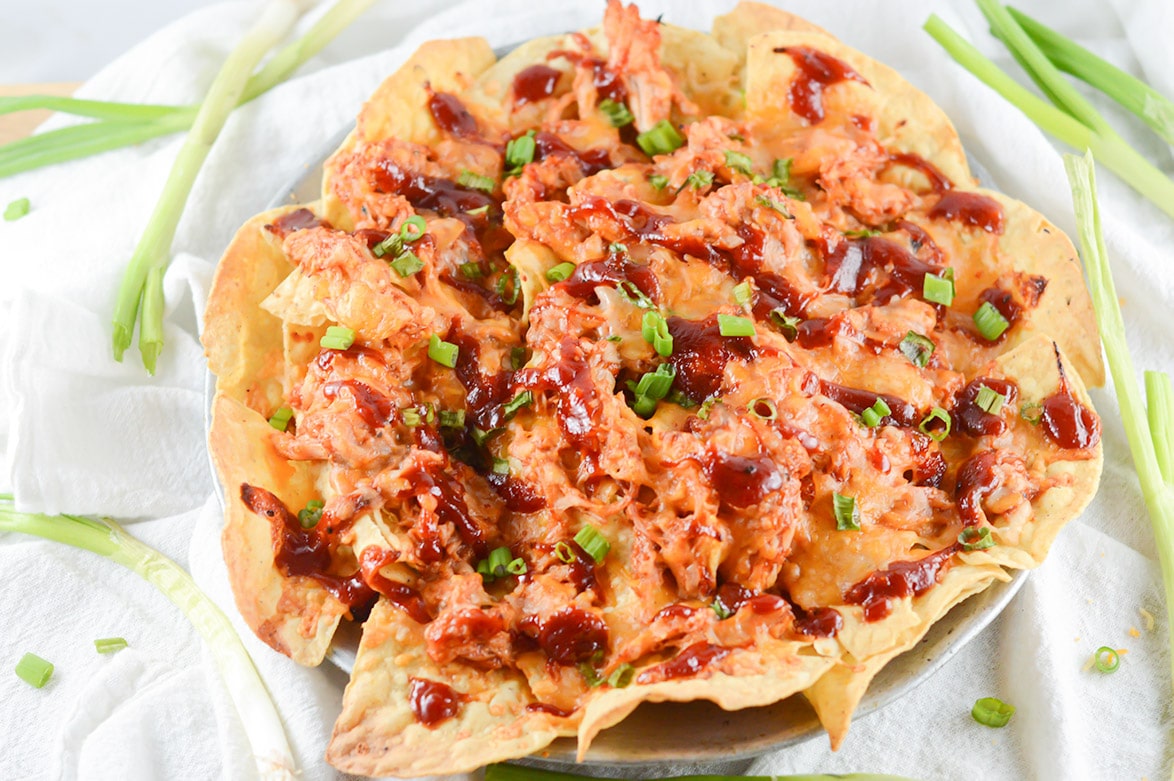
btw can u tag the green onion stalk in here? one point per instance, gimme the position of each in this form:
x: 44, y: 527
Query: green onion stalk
x: 122, y: 124
x: 504, y: 772
x: 1150, y: 430
x: 257, y: 713
x: 1069, y: 117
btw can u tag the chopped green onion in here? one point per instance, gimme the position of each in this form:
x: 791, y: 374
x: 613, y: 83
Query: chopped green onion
x: 1106, y: 659
x: 733, y: 325
x: 743, y: 292
x: 1032, y: 412
x: 411, y: 417
x: 480, y: 437
x: 621, y: 676
x: 916, y: 348
x: 501, y: 466
x: 483, y: 209
x: 934, y: 432
x: 786, y: 323
x: 507, y: 285
x: 475, y: 181
x: 990, y: 321
x: 560, y: 272
x: 617, y: 247
x: 311, y: 514
x: 590, y: 674
x: 17, y: 209
x: 938, y: 290
x: 518, y: 152
x: 614, y: 338
x: 989, y: 400
x: 280, y: 419
x: 780, y: 173
x: 847, y: 516
x: 452, y: 418
x: 109, y: 645
x: 698, y: 179
x: 518, y: 357
x: 680, y: 399
x: 337, y: 337
x: 444, y: 353
x: 412, y: 228
x: 407, y: 264
x: 499, y: 559
x: 393, y: 245
x: 633, y: 295
x: 34, y: 670
x: 720, y: 608
x: 873, y: 415
x: 594, y: 543
x: 471, y: 270
x: 706, y: 406
x: 565, y: 553
x: 976, y: 538
x: 865, y: 233
x: 652, y: 387
x: 617, y: 113
x: 658, y: 181
x: 516, y: 566
x: 771, y: 203
x: 523, y: 399
x: 992, y: 712
x: 763, y: 408
x: 736, y: 161
x: 656, y: 332
x: 661, y: 139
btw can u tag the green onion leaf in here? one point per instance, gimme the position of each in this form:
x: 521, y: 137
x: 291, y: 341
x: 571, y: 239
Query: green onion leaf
x: 706, y: 406
x: 976, y: 538
x: 483, y: 209
x: 516, y: 566
x: 560, y: 272
x: 507, y: 285
x: 680, y: 399
x: 518, y: 152
x: 471, y: 270
x: 411, y: 417
x: 109, y: 645
x: 17, y: 209
x: 992, y: 712
x: 873, y: 415
x: 412, y: 229
x: 763, y: 408
x: 934, y: 432
x: 594, y: 543
x: 34, y: 670
x: 916, y: 348
x: 743, y: 292
x: 407, y: 264
x: 280, y: 419
x: 452, y: 418
x: 518, y: 357
x: 733, y: 325
x: 565, y: 553
x: 337, y: 337
x: 786, y: 323
x: 633, y: 295
x: 771, y: 203
x: 652, y: 387
x: 661, y: 139
x: 862, y: 234
x: 617, y: 113
x: 847, y: 516
x: 736, y: 161
x: 499, y: 559
x: 1106, y: 659
x: 393, y: 245
x: 501, y: 466
x: 656, y: 332
x: 780, y: 173
x: 444, y: 353
x: 311, y: 514
x: 1032, y: 412
x: 658, y: 181
x: 989, y: 400
x: 474, y: 181
x: 990, y: 321
x: 938, y: 290
x: 523, y: 399
x: 590, y: 674
x: 698, y: 179
x: 621, y: 676
x: 480, y: 437
x: 720, y: 608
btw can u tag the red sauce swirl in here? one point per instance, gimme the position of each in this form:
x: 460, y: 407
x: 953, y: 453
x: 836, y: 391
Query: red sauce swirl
x: 971, y: 209
x: 450, y: 114
x: 535, y: 83
x: 899, y: 579
x: 572, y: 635
x: 694, y: 660
x: 815, y: 70
x: 432, y: 701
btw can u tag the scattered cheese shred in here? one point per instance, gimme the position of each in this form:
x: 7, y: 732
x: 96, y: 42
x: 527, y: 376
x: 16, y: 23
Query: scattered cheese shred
x: 1148, y: 617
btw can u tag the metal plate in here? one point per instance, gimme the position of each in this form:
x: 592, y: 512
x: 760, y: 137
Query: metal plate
x: 701, y: 733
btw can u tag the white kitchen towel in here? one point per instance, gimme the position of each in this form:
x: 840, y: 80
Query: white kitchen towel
x: 82, y: 434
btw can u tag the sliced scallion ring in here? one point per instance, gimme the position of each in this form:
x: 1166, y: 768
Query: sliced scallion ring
x: 1106, y: 659
x: 992, y: 712
x: 763, y: 408
x: 847, y: 515
x: 976, y: 538
x: 934, y: 432
x: 990, y: 322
